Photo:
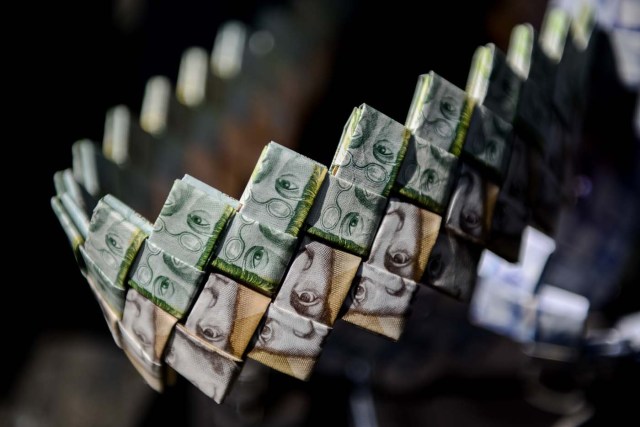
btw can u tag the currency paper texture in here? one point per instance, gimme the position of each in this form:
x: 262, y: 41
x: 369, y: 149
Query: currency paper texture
x: 152, y: 372
x: 427, y: 175
x: 452, y: 266
x: 145, y: 328
x: 471, y: 208
x: 289, y: 343
x: 255, y: 254
x: 111, y: 317
x: 70, y: 230
x: 487, y: 144
x: 495, y: 82
x: 113, y: 241
x: 371, y: 150
x: 535, y: 109
x: 190, y: 223
x: 165, y: 280
x: 440, y: 113
x: 404, y: 240
x: 282, y: 189
x: 201, y: 364
x: 226, y: 314
x: 346, y: 215
x: 112, y: 294
x: 380, y: 301
x: 317, y: 282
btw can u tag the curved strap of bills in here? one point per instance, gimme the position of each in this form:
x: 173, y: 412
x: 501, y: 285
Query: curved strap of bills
x: 215, y: 280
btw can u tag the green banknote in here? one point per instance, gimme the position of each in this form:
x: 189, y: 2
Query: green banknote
x: 427, y: 175
x: 254, y: 253
x: 85, y: 170
x: 65, y: 182
x: 112, y: 294
x: 487, y: 143
x: 493, y: 83
x: 440, y: 113
x: 282, y: 189
x: 190, y: 222
x: 70, y: 230
x: 347, y: 215
x: 114, y: 240
x: 520, y: 47
x: 77, y: 215
x: 165, y: 280
x: 371, y: 150
x: 553, y: 35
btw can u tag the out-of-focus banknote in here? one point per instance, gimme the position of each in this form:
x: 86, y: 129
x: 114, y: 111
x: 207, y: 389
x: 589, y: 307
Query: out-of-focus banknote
x: 440, y: 113
x: 114, y: 240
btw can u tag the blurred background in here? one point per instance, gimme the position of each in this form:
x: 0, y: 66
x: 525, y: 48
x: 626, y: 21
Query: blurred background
x: 310, y: 63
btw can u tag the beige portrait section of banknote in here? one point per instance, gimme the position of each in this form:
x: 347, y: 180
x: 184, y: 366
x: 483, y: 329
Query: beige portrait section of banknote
x: 404, y: 240
x: 149, y: 323
x: 452, y: 267
x: 289, y: 343
x: 145, y: 329
x: 317, y: 282
x: 382, y: 291
x: 379, y: 301
x: 202, y: 364
x: 226, y: 314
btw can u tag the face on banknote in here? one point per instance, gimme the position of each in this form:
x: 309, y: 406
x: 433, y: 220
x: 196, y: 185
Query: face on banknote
x: 317, y: 281
x: 226, y: 314
x: 404, y: 239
